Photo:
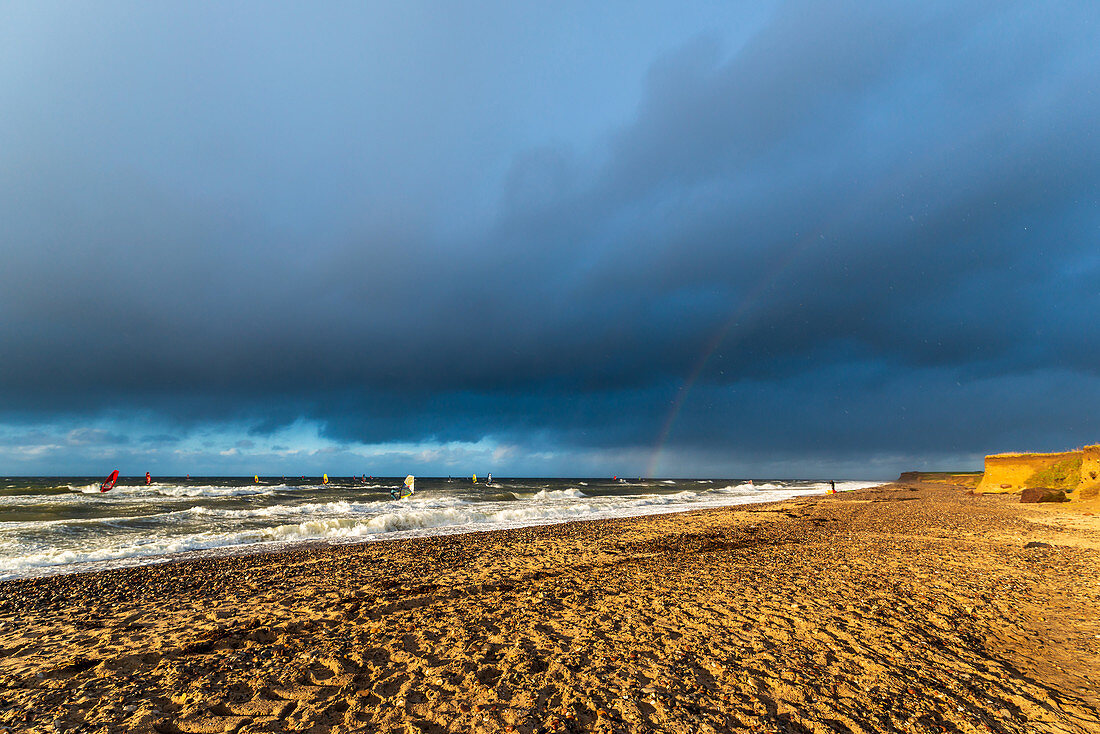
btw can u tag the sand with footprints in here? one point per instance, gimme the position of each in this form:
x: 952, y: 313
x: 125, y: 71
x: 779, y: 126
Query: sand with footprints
x: 908, y: 608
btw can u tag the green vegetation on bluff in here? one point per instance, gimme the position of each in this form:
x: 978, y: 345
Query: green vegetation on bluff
x: 1065, y: 474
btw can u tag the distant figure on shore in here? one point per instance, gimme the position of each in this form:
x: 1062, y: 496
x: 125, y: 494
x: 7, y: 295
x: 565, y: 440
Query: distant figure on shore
x: 148, y: 479
x: 832, y: 487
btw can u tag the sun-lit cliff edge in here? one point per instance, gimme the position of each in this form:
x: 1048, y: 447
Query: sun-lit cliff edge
x: 1089, y: 488
x: 959, y: 479
x: 1076, y: 472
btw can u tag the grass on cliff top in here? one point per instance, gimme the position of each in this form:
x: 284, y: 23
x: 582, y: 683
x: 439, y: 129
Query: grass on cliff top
x: 946, y: 474
x: 1066, y: 474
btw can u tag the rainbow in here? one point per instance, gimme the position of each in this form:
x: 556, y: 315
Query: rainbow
x: 750, y: 299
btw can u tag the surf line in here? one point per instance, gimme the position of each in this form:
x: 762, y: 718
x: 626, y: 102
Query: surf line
x: 749, y: 300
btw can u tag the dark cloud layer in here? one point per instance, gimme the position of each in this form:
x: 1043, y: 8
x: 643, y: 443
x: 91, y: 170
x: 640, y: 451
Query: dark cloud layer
x: 853, y: 229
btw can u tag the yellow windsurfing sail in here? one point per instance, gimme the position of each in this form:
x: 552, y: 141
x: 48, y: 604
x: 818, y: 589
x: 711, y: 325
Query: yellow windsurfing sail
x: 400, y: 494
x: 257, y: 478
x: 475, y: 479
x: 324, y: 479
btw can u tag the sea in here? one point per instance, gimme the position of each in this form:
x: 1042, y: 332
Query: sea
x: 51, y: 525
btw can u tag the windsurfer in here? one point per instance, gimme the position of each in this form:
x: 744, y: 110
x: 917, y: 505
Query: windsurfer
x: 109, y: 482
x: 398, y: 493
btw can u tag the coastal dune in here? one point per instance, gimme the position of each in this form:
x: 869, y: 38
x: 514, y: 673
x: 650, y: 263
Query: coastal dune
x: 909, y: 607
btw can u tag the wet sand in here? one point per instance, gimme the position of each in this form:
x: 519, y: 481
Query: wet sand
x: 909, y: 608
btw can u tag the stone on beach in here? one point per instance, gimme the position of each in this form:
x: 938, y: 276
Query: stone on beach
x: 1042, y: 494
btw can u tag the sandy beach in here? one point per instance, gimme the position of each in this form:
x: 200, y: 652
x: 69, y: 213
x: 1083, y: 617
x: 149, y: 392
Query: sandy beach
x: 908, y: 608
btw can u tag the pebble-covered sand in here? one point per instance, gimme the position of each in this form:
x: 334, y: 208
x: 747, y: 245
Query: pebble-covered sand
x: 907, y: 608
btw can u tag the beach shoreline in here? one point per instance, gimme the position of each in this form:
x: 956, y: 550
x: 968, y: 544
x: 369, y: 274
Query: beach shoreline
x: 47, y: 532
x: 905, y: 607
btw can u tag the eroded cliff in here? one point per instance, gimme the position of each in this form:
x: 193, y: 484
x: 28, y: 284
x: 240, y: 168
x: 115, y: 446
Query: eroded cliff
x: 1076, y: 472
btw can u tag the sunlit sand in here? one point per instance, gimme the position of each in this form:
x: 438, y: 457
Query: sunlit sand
x: 906, y: 608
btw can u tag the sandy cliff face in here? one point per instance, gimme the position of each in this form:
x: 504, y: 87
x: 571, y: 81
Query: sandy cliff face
x: 1090, y: 473
x: 1014, y: 472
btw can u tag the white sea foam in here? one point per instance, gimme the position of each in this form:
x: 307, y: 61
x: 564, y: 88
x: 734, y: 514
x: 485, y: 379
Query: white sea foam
x: 209, y: 491
x: 172, y: 490
x: 86, y: 488
x: 848, y: 486
x: 557, y: 494
x: 736, y: 488
x: 340, y: 507
x: 321, y: 528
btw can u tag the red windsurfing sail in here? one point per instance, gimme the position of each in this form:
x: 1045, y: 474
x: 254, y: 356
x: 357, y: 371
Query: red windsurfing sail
x: 109, y: 482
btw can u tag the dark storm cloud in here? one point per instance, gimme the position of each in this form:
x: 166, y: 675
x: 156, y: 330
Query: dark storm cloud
x: 864, y: 228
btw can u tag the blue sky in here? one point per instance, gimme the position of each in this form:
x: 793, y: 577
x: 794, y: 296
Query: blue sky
x: 714, y: 239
